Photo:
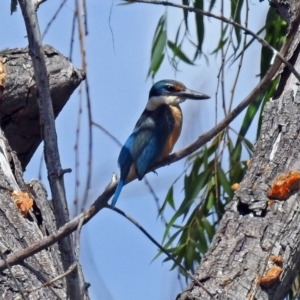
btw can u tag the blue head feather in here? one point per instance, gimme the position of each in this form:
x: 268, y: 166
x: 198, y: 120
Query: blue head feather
x: 166, y: 87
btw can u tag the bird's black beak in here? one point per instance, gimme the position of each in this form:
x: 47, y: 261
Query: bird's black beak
x: 189, y: 94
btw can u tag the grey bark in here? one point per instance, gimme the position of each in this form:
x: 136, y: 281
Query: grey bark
x: 19, y: 111
x: 21, y: 123
x: 18, y: 232
x: 252, y: 228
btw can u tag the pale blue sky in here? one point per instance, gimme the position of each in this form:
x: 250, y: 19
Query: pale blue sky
x: 115, y: 256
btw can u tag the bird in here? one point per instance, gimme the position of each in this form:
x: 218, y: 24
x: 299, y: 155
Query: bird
x: 156, y: 131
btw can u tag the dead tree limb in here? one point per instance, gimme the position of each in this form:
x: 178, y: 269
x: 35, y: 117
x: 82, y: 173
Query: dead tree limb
x: 19, y: 113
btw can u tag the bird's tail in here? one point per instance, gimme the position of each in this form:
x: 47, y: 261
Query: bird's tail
x: 125, y: 162
x: 117, y: 192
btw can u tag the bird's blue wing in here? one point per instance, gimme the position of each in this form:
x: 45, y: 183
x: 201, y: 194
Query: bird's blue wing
x: 140, y: 149
x: 125, y: 161
x: 146, y: 149
x: 125, y: 158
x: 149, y: 138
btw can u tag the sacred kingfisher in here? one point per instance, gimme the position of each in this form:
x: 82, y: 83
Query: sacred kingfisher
x: 156, y: 131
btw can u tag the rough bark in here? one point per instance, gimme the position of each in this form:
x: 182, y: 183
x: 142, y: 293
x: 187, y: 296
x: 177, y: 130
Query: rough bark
x: 257, y: 236
x: 21, y: 123
x: 19, y: 112
x: 18, y: 232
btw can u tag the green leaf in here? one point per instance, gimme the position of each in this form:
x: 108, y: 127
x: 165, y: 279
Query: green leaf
x: 211, y: 5
x: 169, y: 242
x: 224, y: 181
x: 192, y: 188
x: 236, y: 8
x: 158, y: 47
x: 13, y: 6
x: 155, y: 66
x: 199, y: 25
x: 246, y: 47
x: 251, y: 112
x: 168, y: 200
x: 178, y: 53
x: 185, y: 13
x: 210, y: 230
x: 275, y: 35
x: 248, y: 145
x: 222, y: 41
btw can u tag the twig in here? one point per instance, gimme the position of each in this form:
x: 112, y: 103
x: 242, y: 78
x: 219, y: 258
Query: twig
x: 88, y: 102
x: 110, y: 28
x: 107, y: 133
x: 49, y: 282
x: 233, y: 89
x: 90, y: 145
x: 84, y: 16
x: 42, y: 278
x: 53, y: 18
x: 77, y: 159
x: 162, y: 249
x: 72, y: 35
x: 12, y: 275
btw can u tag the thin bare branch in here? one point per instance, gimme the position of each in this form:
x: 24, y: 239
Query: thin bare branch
x: 162, y: 249
x: 42, y: 278
x: 81, y: 21
x: 12, y: 275
x: 53, y: 18
x: 77, y: 160
x: 51, y: 281
x: 233, y: 89
x: 107, y: 133
x: 72, y: 34
x: 51, y: 152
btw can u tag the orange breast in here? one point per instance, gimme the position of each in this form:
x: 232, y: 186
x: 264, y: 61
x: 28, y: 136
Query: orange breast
x: 174, y: 135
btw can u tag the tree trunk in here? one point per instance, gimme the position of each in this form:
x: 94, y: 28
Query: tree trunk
x: 255, y: 253
x: 19, y: 229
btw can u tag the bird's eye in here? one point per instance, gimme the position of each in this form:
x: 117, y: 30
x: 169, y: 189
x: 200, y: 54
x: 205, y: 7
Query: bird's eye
x: 169, y: 88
